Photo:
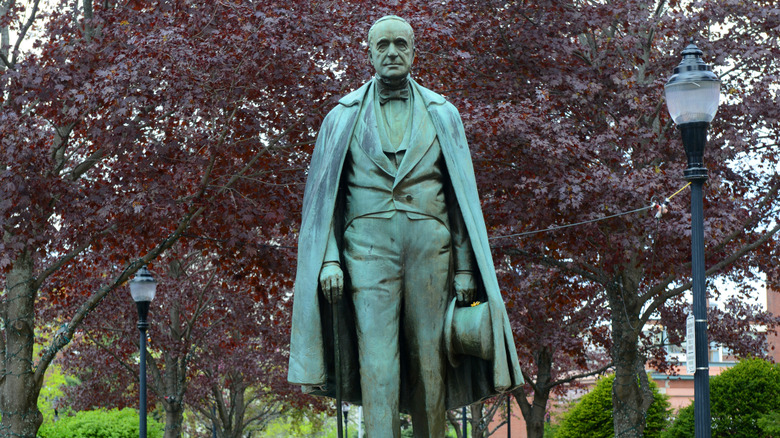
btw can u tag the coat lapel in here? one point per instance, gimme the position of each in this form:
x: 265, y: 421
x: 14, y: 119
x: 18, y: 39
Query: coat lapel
x: 423, y: 135
x: 367, y: 136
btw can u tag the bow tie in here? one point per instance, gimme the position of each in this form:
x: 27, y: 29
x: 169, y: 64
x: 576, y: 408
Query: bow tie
x: 386, y: 94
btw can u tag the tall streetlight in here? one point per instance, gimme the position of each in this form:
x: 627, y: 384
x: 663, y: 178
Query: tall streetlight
x: 692, y: 95
x: 142, y: 288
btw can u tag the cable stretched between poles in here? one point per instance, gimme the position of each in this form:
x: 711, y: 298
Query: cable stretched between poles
x: 560, y: 227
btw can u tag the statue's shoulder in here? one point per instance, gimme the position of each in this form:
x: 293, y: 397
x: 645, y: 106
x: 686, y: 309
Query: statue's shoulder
x: 353, y: 98
x: 433, y: 100
x: 429, y: 96
x: 350, y: 102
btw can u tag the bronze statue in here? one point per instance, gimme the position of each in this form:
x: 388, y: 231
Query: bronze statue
x: 392, y: 223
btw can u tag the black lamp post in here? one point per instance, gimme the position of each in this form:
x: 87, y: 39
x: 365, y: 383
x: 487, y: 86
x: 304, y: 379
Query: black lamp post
x: 345, y: 410
x: 465, y: 423
x: 692, y: 95
x: 509, y: 415
x: 142, y: 288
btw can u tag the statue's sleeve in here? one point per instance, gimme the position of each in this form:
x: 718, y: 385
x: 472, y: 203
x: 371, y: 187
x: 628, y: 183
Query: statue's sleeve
x: 461, y: 244
x: 322, y: 161
x: 332, y: 248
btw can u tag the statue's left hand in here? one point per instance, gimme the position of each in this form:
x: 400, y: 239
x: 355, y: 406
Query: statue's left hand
x: 465, y: 287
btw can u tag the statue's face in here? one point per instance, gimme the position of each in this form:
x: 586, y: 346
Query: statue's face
x: 391, y: 52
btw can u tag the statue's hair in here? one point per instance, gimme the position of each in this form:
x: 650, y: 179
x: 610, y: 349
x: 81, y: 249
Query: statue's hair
x: 386, y: 18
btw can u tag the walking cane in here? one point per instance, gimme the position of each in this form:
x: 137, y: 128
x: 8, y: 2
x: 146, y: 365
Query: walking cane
x: 337, y: 359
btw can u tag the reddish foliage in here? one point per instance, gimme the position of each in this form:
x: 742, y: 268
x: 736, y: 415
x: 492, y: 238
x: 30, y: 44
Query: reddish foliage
x: 162, y: 104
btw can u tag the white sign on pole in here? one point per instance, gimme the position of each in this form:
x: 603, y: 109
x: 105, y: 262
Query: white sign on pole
x: 690, y: 345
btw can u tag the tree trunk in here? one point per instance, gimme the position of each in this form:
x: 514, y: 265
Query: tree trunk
x: 174, y: 415
x: 173, y: 385
x: 534, y: 414
x: 453, y: 417
x: 239, y: 409
x: 534, y: 423
x: 631, y: 393
x: 230, y: 416
x: 19, y: 395
x: 478, y: 425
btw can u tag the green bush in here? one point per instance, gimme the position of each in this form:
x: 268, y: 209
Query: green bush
x: 770, y: 423
x: 683, y: 425
x: 591, y: 417
x: 100, y: 424
x: 551, y: 429
x: 744, y: 401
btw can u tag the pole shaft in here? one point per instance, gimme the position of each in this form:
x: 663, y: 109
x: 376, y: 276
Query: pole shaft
x: 701, y: 379
x: 509, y: 415
x: 214, y: 422
x: 142, y: 407
x: 465, y: 415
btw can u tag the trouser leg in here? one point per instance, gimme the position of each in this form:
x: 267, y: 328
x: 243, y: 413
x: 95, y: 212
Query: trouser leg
x: 373, y: 262
x: 426, y: 284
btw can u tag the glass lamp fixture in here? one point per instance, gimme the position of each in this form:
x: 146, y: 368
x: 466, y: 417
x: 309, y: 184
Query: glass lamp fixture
x: 692, y: 96
x: 143, y: 286
x: 693, y: 91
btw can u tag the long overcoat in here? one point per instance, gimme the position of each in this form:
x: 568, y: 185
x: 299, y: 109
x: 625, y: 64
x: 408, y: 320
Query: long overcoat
x: 311, y: 340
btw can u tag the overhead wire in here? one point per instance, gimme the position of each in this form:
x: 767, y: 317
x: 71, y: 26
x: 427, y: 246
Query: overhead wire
x: 661, y: 209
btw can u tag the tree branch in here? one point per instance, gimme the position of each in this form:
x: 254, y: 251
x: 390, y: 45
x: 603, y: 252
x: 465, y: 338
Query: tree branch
x: 24, y: 30
x: 581, y: 375
x: 88, y: 163
x: 595, y: 276
x: 220, y: 405
x: 751, y: 222
x: 62, y: 261
x: 111, y: 353
x: 529, y: 380
x: 6, y: 62
x: 60, y: 341
x: 660, y: 299
x: 522, y: 401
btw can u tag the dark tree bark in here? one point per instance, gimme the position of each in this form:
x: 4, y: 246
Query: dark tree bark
x: 19, y: 383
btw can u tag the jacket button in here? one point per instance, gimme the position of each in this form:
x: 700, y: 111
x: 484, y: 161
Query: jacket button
x: 409, y: 198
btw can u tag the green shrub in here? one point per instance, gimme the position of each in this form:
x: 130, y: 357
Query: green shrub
x: 551, y: 429
x: 743, y: 394
x: 100, y: 424
x: 744, y: 401
x: 591, y: 417
x: 770, y: 423
x: 683, y: 425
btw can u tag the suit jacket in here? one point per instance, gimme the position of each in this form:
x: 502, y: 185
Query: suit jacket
x: 379, y: 184
x: 311, y: 339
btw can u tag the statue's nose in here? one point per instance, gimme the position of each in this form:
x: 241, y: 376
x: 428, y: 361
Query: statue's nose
x: 391, y: 51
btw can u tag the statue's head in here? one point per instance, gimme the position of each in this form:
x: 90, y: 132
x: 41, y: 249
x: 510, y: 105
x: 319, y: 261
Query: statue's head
x: 391, y: 47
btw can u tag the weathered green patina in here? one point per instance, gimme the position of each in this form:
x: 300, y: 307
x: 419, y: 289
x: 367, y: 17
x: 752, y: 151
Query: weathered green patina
x: 392, y: 221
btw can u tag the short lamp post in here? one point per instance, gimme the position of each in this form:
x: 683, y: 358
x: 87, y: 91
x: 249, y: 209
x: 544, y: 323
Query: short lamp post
x: 345, y: 410
x: 692, y: 95
x: 142, y: 288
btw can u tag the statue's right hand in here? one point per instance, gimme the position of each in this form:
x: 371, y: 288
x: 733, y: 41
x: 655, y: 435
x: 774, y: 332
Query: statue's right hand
x: 332, y: 281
